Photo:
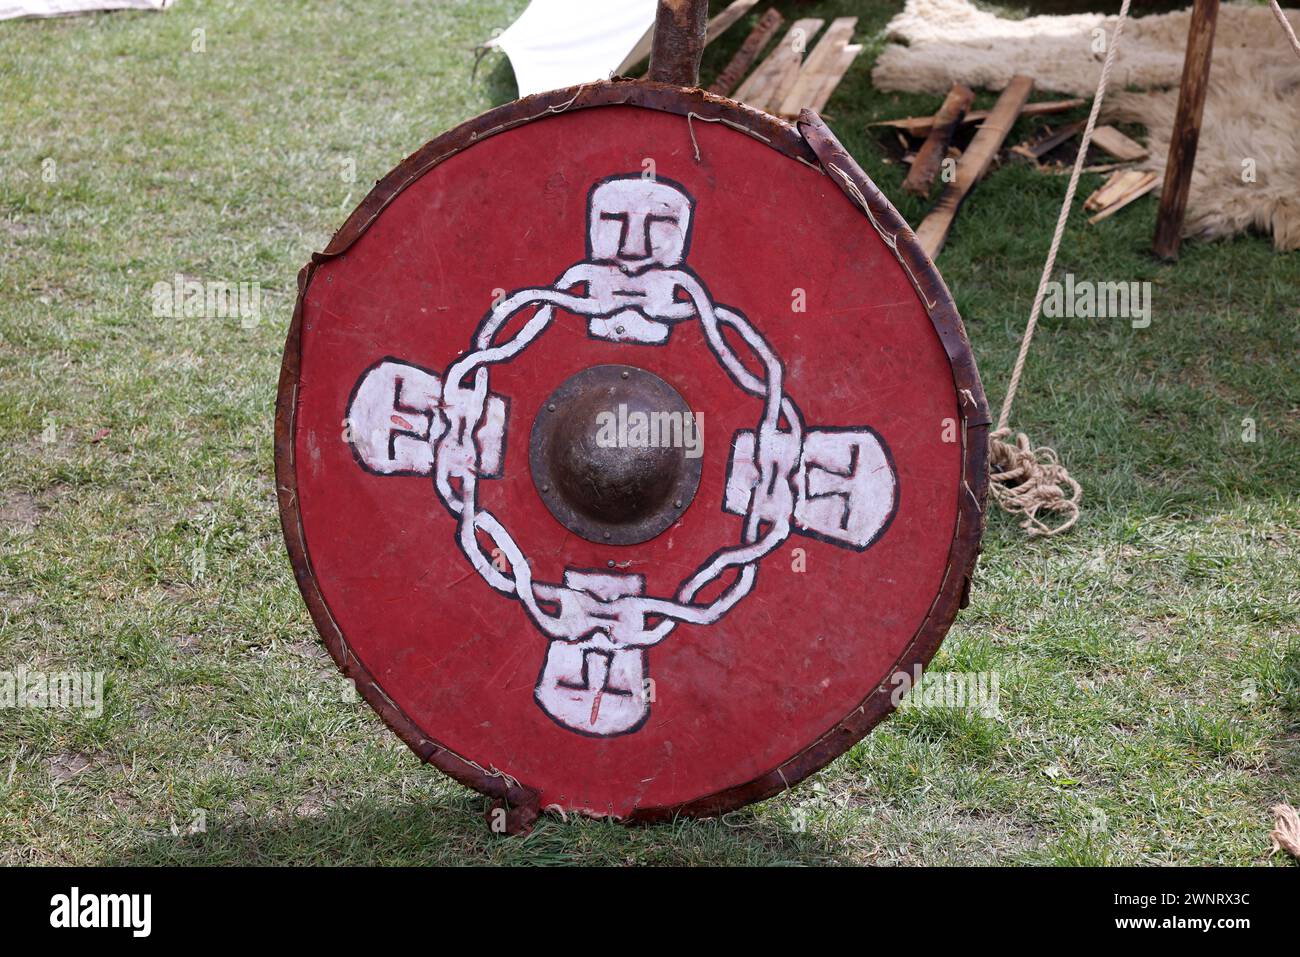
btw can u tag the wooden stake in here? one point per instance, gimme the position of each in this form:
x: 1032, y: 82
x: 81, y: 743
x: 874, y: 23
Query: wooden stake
x: 926, y: 165
x: 715, y: 28
x: 678, y: 41
x: 974, y: 163
x: 1187, y: 129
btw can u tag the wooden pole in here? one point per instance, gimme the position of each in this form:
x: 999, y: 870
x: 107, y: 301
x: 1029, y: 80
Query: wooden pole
x: 678, y: 43
x: 1187, y: 128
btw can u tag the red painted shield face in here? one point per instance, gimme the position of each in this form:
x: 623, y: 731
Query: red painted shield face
x: 624, y: 461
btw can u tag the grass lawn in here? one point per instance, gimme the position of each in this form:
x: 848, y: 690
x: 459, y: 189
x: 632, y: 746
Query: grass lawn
x: 1149, y: 660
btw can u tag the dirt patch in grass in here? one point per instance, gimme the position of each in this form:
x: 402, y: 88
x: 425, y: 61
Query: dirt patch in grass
x: 19, y: 511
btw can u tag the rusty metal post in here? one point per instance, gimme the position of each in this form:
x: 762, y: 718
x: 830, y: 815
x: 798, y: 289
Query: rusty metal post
x: 678, y: 41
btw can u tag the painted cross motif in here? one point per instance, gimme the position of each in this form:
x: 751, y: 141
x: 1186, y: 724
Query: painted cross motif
x: 834, y: 484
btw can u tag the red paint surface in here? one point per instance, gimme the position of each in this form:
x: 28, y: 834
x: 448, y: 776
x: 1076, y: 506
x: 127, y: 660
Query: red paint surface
x: 735, y: 699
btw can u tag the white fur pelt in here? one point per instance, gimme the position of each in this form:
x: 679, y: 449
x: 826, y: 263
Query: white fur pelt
x: 1252, y: 113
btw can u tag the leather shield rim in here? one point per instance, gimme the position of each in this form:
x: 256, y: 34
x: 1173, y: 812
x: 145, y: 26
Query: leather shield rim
x: 810, y: 143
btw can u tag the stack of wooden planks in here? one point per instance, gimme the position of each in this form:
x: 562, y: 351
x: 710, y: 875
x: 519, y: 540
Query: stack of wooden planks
x: 963, y: 170
x: 786, y: 82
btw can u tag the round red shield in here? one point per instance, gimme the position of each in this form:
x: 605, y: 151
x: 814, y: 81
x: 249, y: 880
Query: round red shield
x: 713, y: 590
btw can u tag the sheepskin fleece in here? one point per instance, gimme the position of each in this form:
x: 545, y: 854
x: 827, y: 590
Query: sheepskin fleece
x: 1252, y: 112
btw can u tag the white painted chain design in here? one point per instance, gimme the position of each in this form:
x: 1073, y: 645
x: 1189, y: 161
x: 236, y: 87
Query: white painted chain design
x: 777, y: 456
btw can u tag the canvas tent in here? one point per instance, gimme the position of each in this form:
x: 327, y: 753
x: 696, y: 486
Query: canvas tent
x: 557, y: 43
x: 12, y: 9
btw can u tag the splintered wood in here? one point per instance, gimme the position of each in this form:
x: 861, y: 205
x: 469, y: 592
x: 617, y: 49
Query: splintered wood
x: 1118, y: 191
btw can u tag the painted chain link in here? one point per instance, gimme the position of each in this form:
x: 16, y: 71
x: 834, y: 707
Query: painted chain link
x: 626, y: 617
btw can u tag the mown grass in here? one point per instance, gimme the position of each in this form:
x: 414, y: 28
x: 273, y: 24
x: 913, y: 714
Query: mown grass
x: 1149, y: 660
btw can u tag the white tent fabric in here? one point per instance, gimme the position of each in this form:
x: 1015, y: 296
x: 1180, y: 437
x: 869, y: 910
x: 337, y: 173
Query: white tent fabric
x: 11, y: 9
x: 557, y: 43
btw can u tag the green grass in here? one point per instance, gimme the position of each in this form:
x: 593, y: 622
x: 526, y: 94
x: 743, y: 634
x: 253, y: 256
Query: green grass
x: 1150, y: 659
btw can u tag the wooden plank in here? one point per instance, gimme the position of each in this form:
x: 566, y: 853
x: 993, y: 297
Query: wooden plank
x: 1148, y: 182
x: 973, y: 164
x: 813, y: 74
x: 1117, y: 144
x: 926, y: 165
x: 749, y: 51
x: 920, y: 125
x: 757, y: 90
x: 1187, y: 129
x: 717, y: 26
x: 730, y: 14
x: 831, y: 78
x: 1045, y: 144
x: 1099, y: 168
x: 788, y: 77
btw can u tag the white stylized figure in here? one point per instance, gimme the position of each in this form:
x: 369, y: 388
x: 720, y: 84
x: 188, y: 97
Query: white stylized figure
x: 638, y: 232
x: 836, y: 484
x: 598, y: 685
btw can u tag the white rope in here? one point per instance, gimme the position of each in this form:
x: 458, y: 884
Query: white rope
x: 1061, y: 219
x: 1025, y: 480
x: 1286, y: 25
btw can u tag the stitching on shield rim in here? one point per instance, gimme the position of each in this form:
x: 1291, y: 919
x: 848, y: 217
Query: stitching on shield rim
x: 808, y: 147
